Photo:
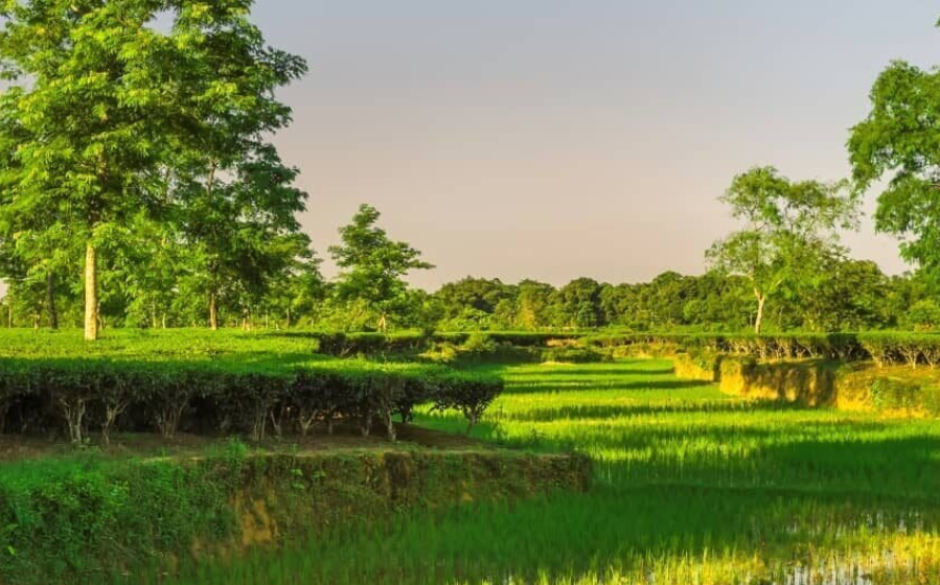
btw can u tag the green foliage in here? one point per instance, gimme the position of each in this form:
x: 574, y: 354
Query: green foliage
x: 790, y: 230
x: 896, y: 142
x: 574, y: 355
x: 716, y: 489
x: 907, y: 395
x: 923, y: 316
x: 374, y: 265
x: 109, y: 119
x: 65, y: 520
x: 88, y: 520
x: 242, y: 387
x: 885, y: 348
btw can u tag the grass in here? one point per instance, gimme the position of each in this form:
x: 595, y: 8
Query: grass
x: 691, y: 486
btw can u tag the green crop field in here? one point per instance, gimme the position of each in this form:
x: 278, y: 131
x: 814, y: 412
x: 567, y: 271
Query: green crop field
x: 691, y: 486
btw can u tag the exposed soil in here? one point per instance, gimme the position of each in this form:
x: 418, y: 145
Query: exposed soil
x: 16, y: 448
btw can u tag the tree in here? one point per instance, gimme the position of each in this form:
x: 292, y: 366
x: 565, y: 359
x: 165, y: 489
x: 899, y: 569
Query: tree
x: 790, y: 227
x: 578, y: 304
x: 103, y: 101
x: 898, y: 141
x: 923, y: 316
x: 243, y: 231
x: 471, y: 302
x: 850, y: 295
x: 533, y: 304
x: 374, y: 265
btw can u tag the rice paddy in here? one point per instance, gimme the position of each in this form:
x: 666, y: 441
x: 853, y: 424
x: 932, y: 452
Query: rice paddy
x: 691, y: 487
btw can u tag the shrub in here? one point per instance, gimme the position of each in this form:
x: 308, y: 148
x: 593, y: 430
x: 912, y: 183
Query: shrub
x: 245, y: 396
x: 574, y: 355
x: 894, y: 394
x: 470, y: 393
x: 923, y: 316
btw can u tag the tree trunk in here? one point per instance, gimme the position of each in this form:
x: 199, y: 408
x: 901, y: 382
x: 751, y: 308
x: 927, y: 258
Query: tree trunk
x: 91, y: 293
x: 73, y: 411
x: 471, y: 422
x: 759, y: 321
x: 4, y: 409
x: 168, y: 419
x: 259, y: 426
x: 112, y: 411
x: 329, y: 422
x: 213, y: 312
x: 50, y: 301
x: 383, y: 323
x: 288, y: 319
x: 389, y: 425
x: 306, y: 420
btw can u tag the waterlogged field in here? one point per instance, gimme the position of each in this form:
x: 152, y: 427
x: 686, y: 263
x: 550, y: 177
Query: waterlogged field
x: 691, y: 487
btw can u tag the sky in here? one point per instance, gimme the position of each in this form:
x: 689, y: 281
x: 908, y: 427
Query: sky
x: 552, y: 139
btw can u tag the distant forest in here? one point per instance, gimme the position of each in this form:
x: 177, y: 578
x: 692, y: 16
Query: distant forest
x: 849, y: 295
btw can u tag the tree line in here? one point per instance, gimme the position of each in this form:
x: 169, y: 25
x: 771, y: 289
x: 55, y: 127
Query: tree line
x: 848, y: 295
x: 139, y: 186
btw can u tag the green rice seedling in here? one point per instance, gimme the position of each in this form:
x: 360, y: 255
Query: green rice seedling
x: 691, y: 486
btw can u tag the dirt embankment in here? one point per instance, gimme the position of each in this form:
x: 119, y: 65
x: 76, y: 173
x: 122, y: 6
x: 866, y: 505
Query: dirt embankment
x: 858, y: 386
x: 75, y: 520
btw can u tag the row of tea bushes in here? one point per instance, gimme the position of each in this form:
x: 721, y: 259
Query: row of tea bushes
x: 227, y: 394
x: 350, y: 344
x: 884, y: 348
x: 169, y: 343
x: 202, y: 342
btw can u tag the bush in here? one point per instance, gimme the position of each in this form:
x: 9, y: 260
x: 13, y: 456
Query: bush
x: 923, y: 316
x: 234, y: 394
x: 470, y: 393
x: 482, y: 342
x: 574, y: 355
x: 906, y: 394
x: 885, y: 348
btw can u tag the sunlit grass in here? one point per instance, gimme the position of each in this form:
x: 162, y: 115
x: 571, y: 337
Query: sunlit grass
x: 691, y: 486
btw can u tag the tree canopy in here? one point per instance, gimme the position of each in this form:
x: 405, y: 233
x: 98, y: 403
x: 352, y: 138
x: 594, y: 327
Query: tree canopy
x: 107, y: 109
x: 789, y: 229
x: 897, y: 142
x: 374, y: 266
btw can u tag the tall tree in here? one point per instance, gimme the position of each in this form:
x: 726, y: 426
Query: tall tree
x: 374, y: 266
x: 898, y: 141
x: 790, y: 228
x: 243, y: 228
x: 103, y: 101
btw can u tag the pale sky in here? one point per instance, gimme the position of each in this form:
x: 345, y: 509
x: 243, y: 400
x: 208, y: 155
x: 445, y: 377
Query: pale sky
x: 552, y: 139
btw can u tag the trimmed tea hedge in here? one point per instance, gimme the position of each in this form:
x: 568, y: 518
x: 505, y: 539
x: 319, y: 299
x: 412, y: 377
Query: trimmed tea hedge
x: 885, y: 348
x: 350, y: 344
x: 234, y: 394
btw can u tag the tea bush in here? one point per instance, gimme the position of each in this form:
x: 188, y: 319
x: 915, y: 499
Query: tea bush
x: 226, y: 394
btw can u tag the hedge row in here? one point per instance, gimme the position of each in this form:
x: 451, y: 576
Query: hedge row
x: 885, y: 348
x: 185, y: 343
x: 349, y: 344
x: 228, y: 395
x: 147, y: 344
